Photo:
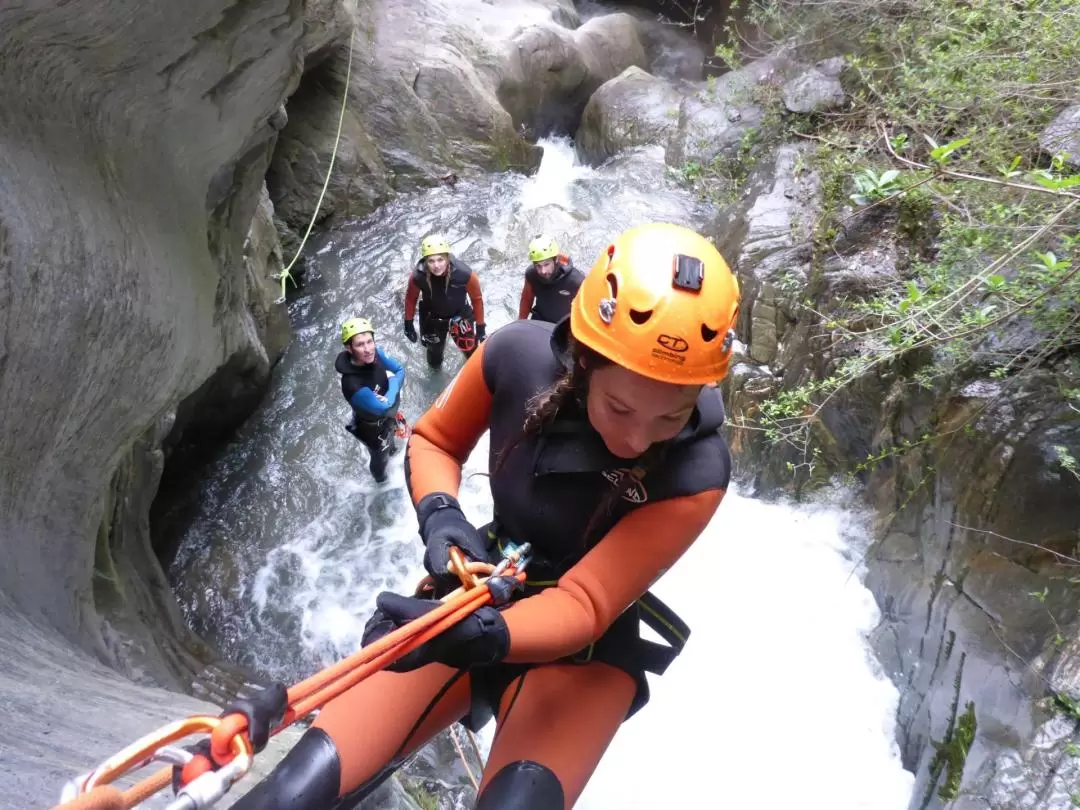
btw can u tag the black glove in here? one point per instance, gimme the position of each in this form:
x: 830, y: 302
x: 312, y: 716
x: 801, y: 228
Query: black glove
x: 442, y: 525
x: 481, y: 333
x: 410, y: 331
x: 481, y: 639
x: 263, y: 711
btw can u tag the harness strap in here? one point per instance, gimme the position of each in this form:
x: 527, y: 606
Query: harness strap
x: 653, y: 656
x: 656, y: 658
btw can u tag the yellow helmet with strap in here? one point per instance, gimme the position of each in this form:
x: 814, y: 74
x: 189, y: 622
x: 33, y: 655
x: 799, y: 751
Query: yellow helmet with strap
x: 355, y: 326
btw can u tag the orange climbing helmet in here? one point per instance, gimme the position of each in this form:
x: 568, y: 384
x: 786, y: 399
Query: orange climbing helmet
x: 662, y: 302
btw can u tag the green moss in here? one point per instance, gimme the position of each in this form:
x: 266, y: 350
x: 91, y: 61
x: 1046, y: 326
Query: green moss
x: 425, y: 799
x: 952, y: 750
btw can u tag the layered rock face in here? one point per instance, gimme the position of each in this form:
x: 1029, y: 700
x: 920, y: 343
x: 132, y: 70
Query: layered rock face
x: 134, y: 138
x: 130, y: 172
x: 974, y: 555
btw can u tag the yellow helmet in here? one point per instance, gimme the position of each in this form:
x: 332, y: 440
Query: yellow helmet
x: 543, y: 247
x: 660, y: 301
x: 355, y: 326
x: 433, y: 245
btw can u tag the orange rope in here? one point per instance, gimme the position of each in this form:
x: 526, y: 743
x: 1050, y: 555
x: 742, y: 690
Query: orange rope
x: 143, y: 790
x: 104, y: 797
x: 226, y: 740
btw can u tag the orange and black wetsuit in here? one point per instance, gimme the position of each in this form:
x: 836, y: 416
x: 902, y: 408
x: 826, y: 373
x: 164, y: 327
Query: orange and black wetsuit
x: 548, y: 299
x: 441, y: 299
x: 575, y: 665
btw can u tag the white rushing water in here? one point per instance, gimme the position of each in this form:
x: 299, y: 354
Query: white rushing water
x: 776, y: 701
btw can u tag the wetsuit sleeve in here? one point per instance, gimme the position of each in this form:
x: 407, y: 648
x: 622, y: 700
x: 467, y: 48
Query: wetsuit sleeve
x: 472, y: 287
x: 393, y: 388
x: 527, y: 297
x: 561, y: 620
x: 392, y: 365
x: 368, y: 401
x: 412, y: 293
x: 445, y: 435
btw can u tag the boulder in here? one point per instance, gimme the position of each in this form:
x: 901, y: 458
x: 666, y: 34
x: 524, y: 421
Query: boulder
x: 549, y: 72
x: 817, y: 89
x: 713, y: 121
x: 633, y: 109
x: 423, y: 103
x: 1062, y: 136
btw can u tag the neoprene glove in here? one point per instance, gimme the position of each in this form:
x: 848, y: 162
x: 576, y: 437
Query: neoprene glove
x: 410, y: 331
x: 442, y: 525
x: 481, y: 333
x: 263, y: 711
x: 480, y: 639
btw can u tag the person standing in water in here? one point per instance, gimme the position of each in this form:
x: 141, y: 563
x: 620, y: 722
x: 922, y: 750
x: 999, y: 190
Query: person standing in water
x: 371, y: 383
x: 450, y: 301
x: 551, y: 282
x: 605, y: 456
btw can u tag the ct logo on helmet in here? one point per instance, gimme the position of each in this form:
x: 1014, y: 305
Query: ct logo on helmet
x: 674, y: 344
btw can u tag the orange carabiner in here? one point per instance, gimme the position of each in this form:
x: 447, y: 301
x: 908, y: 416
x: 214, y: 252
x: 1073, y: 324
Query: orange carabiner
x: 143, y: 751
x: 460, y: 566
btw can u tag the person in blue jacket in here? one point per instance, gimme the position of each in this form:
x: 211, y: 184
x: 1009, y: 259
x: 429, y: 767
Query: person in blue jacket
x: 371, y: 382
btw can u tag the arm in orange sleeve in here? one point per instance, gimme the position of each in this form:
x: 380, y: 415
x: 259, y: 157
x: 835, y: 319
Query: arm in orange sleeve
x: 527, y: 297
x: 476, y: 296
x: 561, y: 620
x: 412, y: 293
x: 445, y: 435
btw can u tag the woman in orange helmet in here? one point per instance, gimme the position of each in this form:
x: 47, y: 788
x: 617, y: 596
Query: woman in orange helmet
x: 605, y: 456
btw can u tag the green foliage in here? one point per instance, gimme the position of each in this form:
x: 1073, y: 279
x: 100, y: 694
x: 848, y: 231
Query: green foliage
x: 947, y: 99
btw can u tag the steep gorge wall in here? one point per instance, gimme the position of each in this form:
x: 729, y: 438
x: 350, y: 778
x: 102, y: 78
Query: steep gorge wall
x: 134, y: 138
x: 133, y: 143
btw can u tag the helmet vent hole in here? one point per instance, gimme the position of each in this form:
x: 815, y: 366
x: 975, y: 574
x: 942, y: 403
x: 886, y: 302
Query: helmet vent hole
x: 613, y: 285
x: 639, y: 317
x: 707, y: 334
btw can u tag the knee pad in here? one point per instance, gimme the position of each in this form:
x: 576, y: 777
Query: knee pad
x: 308, y: 778
x: 523, y: 785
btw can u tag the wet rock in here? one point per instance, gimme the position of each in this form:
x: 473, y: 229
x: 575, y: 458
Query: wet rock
x: 155, y: 234
x: 264, y: 259
x: 550, y: 72
x: 713, y: 122
x: 765, y: 237
x: 1062, y: 136
x: 817, y: 89
x: 326, y: 23
x: 984, y: 614
x: 633, y: 109
x: 360, y: 179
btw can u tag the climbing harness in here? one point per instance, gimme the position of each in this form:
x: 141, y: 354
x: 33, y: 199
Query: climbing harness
x: 463, y: 331
x: 402, y: 429
x: 205, y: 778
x: 286, y: 275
